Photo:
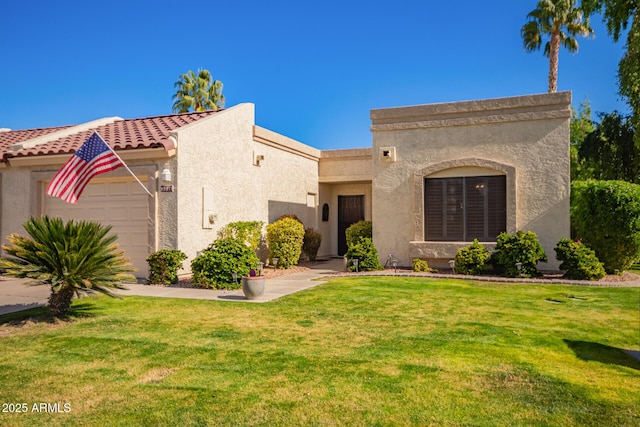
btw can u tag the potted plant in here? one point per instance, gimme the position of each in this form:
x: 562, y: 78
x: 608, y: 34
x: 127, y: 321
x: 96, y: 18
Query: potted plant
x: 253, y: 285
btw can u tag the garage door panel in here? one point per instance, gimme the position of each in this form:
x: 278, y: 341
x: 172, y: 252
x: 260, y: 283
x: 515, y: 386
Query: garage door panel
x: 121, y: 204
x: 119, y: 189
x: 118, y: 214
x: 93, y: 190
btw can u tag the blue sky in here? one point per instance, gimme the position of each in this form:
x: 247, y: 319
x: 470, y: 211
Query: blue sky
x: 314, y: 70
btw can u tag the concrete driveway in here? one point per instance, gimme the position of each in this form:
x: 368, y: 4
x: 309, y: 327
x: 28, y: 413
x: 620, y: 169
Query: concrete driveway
x: 15, y: 296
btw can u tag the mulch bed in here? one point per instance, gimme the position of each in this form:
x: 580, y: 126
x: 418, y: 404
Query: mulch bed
x: 270, y: 273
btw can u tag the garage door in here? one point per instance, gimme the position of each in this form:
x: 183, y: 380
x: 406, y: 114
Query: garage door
x: 121, y: 203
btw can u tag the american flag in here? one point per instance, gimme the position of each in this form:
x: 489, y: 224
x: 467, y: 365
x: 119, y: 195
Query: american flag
x: 93, y: 158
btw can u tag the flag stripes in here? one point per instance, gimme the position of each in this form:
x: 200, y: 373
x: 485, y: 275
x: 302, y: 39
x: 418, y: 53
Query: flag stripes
x: 95, y: 157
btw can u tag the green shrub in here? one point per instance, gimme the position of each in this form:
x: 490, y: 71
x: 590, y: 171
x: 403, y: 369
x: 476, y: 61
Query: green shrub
x: 472, y: 259
x: 249, y: 232
x: 606, y: 217
x: 164, y: 265
x: 578, y: 261
x: 366, y: 253
x: 421, y: 265
x: 214, y: 268
x: 292, y: 216
x: 357, y: 230
x: 285, y: 238
x: 521, y: 247
x: 311, y: 243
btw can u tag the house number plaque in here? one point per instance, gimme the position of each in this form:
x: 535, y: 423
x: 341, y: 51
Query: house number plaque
x: 167, y: 188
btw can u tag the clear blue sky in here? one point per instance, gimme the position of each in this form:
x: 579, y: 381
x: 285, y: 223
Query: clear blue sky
x: 314, y: 70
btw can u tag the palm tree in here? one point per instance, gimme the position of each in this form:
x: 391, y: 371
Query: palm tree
x: 73, y: 258
x: 197, y: 92
x: 561, y: 20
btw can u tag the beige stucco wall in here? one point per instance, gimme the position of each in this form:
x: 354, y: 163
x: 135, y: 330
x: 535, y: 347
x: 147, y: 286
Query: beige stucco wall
x: 525, y: 138
x: 348, y: 165
x: 217, y: 174
x: 329, y: 194
x: 342, y: 173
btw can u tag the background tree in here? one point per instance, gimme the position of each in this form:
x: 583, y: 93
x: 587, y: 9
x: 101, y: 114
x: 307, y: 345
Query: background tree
x: 610, y: 152
x: 73, y: 258
x: 619, y: 15
x: 197, y: 92
x: 562, y: 21
x: 581, y: 125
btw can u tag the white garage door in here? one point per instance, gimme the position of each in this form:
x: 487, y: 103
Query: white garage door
x: 121, y: 203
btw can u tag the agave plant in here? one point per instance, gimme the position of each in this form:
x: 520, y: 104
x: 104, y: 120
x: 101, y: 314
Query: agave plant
x: 74, y: 258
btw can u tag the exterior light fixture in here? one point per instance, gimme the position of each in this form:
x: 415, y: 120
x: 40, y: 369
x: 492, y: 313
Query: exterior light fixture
x: 259, y: 268
x: 452, y: 264
x: 356, y: 261
x: 275, y: 263
x: 165, y: 175
x: 519, y: 268
x: 394, y: 264
x: 235, y: 276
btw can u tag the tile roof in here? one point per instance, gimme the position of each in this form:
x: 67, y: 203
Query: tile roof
x: 8, y: 138
x: 126, y: 134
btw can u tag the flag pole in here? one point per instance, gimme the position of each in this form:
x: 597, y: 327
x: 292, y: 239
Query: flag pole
x: 124, y: 164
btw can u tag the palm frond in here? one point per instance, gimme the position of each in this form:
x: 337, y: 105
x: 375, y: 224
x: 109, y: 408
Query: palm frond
x: 80, y: 255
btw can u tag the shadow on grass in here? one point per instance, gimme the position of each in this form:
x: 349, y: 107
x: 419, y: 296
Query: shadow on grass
x: 591, y: 351
x: 42, y: 315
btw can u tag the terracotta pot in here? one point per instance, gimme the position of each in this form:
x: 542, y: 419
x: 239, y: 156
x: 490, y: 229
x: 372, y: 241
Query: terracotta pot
x: 253, y: 286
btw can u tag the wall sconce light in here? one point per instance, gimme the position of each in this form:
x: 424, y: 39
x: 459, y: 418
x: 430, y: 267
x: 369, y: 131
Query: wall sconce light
x: 325, y: 212
x: 165, y: 175
x: 257, y: 159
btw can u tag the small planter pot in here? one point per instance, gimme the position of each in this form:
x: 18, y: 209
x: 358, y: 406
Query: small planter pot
x: 253, y: 286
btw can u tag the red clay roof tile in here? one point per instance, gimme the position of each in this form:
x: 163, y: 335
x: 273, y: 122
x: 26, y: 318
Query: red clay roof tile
x: 126, y: 134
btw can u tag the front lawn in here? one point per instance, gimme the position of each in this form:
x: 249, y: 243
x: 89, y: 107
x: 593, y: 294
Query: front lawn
x: 354, y: 351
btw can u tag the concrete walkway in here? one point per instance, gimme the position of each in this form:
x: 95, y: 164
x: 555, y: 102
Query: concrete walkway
x: 15, y: 296
x: 274, y: 289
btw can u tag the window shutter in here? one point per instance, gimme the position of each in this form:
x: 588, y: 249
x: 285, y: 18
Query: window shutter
x: 466, y: 208
x: 444, y: 203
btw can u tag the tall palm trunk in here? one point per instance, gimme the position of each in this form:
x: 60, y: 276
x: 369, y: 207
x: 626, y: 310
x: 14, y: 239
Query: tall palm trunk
x: 554, y: 52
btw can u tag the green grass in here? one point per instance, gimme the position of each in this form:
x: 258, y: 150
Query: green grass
x: 355, y: 351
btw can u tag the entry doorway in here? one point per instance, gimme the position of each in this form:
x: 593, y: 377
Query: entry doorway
x: 350, y: 211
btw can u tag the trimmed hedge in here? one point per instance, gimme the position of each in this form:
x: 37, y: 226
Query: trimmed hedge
x: 311, y: 243
x: 248, y: 232
x: 578, y: 261
x: 164, y: 265
x: 473, y: 259
x: 605, y: 215
x: 522, y: 247
x: 285, y: 238
x: 421, y: 265
x: 357, y: 230
x: 366, y: 253
x: 214, y: 267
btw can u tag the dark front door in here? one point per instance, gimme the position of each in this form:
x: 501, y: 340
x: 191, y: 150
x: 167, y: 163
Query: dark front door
x: 350, y: 211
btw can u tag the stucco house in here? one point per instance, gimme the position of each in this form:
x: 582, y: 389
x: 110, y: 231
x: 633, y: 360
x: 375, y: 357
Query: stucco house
x: 436, y: 177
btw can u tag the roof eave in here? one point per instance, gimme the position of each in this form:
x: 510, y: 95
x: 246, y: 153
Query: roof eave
x: 60, y: 159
